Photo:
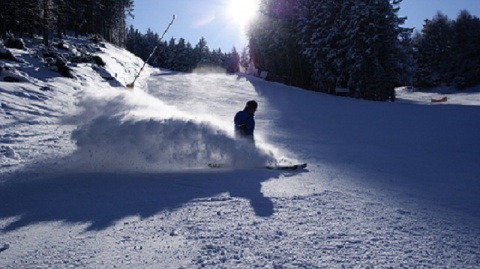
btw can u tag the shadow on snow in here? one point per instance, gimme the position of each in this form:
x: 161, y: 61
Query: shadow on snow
x: 101, y: 199
x: 418, y: 149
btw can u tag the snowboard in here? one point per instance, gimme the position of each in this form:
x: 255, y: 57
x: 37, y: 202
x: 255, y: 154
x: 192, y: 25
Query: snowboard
x: 269, y: 167
x: 287, y: 166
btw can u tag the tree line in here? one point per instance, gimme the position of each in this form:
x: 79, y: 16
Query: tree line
x: 181, y: 55
x: 448, y: 51
x: 360, y: 45
x: 105, y: 18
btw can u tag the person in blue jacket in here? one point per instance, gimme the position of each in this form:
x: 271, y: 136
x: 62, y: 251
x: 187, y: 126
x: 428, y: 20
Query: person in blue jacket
x: 244, y: 120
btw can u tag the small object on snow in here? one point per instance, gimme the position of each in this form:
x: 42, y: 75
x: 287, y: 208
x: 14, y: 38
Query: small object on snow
x: 270, y: 166
x: 217, y: 165
x: 443, y: 99
x: 4, y: 247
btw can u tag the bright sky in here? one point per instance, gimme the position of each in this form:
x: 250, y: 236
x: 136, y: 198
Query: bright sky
x: 222, y: 22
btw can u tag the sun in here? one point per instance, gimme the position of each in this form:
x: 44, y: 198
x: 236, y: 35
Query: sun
x: 242, y: 12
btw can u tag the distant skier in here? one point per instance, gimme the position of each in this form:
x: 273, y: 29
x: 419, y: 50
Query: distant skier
x: 244, y: 120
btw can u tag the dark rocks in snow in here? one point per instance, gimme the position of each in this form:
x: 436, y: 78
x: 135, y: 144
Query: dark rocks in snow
x: 58, y: 57
x: 62, y: 67
x: 97, y: 39
x: 6, y: 54
x: 60, y: 44
x: 8, y: 73
x: 11, y: 79
x: 98, y: 60
x: 15, y: 43
x: 57, y: 63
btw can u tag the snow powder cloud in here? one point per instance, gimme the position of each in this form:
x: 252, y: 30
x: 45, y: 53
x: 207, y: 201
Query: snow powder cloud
x: 135, y: 131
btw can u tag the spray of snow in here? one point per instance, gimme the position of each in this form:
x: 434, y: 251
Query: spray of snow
x: 137, y: 132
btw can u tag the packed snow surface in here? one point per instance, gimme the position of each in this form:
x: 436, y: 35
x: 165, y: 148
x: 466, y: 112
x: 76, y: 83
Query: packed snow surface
x: 94, y: 175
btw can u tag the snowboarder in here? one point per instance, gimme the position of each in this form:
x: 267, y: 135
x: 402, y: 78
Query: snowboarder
x: 244, y: 120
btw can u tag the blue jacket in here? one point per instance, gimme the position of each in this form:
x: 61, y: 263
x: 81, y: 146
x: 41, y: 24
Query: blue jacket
x: 244, y: 123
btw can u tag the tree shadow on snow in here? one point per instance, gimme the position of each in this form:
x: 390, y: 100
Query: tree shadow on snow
x: 101, y: 199
x: 379, y: 144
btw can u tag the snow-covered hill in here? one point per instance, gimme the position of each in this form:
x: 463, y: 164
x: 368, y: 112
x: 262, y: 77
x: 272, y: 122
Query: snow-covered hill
x: 93, y: 175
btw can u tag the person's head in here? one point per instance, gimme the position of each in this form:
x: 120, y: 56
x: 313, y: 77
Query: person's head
x: 251, y: 106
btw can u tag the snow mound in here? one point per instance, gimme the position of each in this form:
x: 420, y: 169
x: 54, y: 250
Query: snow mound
x: 133, y: 131
x: 8, y: 152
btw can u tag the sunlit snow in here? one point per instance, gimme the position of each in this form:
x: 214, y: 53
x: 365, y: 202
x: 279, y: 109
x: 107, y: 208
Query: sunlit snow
x: 93, y: 175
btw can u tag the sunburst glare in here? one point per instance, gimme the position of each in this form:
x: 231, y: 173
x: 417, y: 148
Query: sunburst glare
x: 242, y: 12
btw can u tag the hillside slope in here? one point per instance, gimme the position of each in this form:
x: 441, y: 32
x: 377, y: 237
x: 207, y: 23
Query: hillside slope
x: 93, y: 175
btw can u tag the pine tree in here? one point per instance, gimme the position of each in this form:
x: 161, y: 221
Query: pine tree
x: 323, y: 27
x: 433, y: 48
x: 244, y: 59
x: 448, y: 52
x: 48, y: 19
x: 380, y: 35
x: 233, y: 61
x: 355, y: 45
x: 273, y: 42
x: 202, y: 51
x: 466, y: 50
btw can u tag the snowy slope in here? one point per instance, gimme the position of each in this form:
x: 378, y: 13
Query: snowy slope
x: 97, y: 176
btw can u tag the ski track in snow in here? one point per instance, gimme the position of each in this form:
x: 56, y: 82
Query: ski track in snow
x: 93, y: 176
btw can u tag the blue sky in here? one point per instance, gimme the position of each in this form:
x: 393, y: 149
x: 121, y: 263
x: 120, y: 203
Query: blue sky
x: 222, y: 27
